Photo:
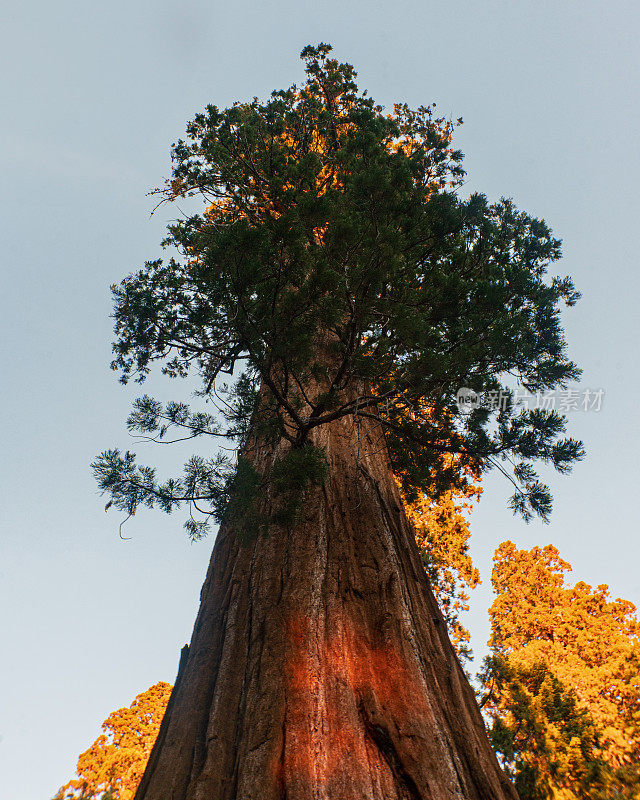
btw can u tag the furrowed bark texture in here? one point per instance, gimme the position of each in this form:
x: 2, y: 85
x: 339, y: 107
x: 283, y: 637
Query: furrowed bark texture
x: 320, y: 666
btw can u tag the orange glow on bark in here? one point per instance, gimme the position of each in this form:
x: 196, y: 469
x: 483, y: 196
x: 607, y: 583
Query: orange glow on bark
x: 332, y: 685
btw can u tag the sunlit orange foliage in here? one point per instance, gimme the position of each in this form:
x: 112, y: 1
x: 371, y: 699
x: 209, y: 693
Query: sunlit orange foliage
x: 112, y: 767
x: 557, y: 644
x: 443, y: 535
x: 312, y: 140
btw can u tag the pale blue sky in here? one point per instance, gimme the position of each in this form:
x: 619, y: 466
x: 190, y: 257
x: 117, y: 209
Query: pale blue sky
x: 92, y: 97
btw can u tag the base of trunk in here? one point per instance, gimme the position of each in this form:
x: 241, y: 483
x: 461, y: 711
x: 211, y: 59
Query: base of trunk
x: 320, y: 667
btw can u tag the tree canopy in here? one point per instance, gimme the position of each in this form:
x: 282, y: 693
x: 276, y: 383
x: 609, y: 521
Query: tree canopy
x: 563, y: 682
x: 335, y: 270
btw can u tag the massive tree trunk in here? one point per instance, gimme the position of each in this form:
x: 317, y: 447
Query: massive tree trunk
x: 320, y: 666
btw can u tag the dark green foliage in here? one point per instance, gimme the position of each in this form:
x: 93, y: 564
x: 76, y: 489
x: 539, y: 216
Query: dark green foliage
x: 238, y: 501
x: 204, y: 481
x: 291, y: 474
x: 229, y: 492
x: 543, y: 738
x: 336, y: 266
x: 547, y: 743
x: 150, y: 417
x: 285, y: 483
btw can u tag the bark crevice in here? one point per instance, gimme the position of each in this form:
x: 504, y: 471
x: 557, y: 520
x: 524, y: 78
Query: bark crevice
x: 384, y: 743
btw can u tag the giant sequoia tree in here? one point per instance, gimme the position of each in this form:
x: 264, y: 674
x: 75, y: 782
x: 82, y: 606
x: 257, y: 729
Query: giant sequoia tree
x: 335, y: 279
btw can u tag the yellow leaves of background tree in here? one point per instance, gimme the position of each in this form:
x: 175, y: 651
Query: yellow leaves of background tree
x: 112, y: 767
x: 563, y: 684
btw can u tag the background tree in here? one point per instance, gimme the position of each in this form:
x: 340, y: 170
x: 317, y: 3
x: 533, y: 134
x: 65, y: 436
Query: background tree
x: 563, y: 682
x: 112, y: 767
x: 337, y: 275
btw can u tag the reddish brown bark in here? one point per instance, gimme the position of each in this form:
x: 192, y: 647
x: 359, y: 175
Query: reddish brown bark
x: 320, y: 666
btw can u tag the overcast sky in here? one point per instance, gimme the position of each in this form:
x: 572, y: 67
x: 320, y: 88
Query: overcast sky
x: 92, y: 97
